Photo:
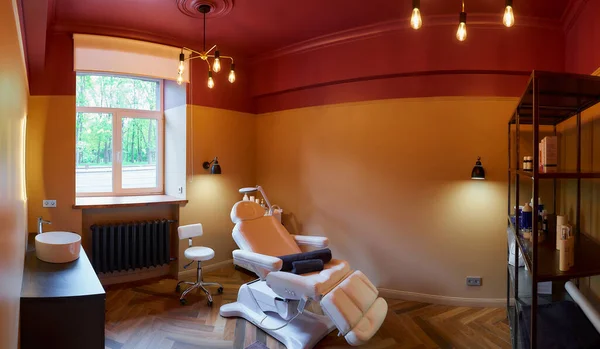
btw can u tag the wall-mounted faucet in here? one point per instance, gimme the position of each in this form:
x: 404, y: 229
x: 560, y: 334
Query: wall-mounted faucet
x: 41, y: 223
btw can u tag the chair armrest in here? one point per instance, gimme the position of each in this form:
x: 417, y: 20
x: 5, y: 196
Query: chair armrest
x: 292, y: 286
x: 312, y: 241
x: 262, y: 261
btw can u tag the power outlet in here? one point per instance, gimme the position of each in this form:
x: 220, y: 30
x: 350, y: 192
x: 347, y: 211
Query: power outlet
x: 49, y: 203
x: 473, y: 280
x: 180, y: 190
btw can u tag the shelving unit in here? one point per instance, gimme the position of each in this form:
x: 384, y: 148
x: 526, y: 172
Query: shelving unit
x: 549, y: 99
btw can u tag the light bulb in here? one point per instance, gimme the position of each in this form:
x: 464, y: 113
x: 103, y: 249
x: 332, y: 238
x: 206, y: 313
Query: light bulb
x: 509, y: 17
x: 217, y: 65
x: 179, y: 79
x: 415, y: 19
x: 231, y: 76
x: 211, y: 82
x: 181, y: 60
x: 461, y: 33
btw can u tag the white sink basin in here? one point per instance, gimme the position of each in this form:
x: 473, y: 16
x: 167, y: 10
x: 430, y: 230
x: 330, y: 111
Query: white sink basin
x: 57, y: 246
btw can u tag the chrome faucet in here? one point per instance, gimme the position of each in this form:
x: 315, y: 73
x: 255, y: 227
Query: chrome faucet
x: 41, y: 223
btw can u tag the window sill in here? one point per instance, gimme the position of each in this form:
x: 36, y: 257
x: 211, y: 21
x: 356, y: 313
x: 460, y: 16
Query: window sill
x: 126, y: 201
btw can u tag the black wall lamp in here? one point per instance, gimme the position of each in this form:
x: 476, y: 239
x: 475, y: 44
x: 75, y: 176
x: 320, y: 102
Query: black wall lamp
x: 215, y: 168
x: 478, y: 172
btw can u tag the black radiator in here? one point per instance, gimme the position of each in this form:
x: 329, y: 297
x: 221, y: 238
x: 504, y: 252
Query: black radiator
x: 125, y: 246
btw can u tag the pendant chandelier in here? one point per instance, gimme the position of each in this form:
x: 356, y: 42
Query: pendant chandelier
x: 206, y: 56
x: 461, y: 34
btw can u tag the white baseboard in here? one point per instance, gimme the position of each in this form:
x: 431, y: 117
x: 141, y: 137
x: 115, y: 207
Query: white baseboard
x: 191, y: 272
x: 446, y: 300
x: 135, y: 275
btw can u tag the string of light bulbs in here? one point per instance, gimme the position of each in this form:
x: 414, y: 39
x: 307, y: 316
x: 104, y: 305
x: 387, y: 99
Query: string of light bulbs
x: 461, y: 34
x: 205, y: 55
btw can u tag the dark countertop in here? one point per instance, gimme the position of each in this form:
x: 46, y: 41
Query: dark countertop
x: 49, y: 280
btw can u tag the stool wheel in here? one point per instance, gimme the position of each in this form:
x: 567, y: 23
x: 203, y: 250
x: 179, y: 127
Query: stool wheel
x: 183, y: 301
x: 220, y: 290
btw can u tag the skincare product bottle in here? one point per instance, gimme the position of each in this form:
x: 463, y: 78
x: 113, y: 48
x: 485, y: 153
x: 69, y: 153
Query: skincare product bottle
x: 560, y: 221
x: 545, y: 222
x: 246, y: 198
x: 564, y: 255
x: 528, y: 163
x: 527, y: 216
x: 540, y: 211
x: 252, y: 198
x: 548, y: 154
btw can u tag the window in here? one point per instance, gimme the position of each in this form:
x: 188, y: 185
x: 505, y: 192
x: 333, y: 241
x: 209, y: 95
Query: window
x: 119, y: 135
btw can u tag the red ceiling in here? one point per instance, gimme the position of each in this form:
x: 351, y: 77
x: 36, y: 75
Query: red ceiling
x: 255, y: 26
x: 252, y: 27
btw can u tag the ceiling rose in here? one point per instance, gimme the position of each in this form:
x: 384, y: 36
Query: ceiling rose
x: 218, y: 8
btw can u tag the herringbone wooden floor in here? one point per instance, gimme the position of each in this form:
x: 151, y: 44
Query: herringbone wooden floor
x: 148, y: 316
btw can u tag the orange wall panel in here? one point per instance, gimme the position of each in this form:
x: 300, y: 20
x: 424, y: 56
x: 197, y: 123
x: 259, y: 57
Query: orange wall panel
x: 13, y: 200
x: 51, y: 162
x: 388, y: 182
x: 230, y: 136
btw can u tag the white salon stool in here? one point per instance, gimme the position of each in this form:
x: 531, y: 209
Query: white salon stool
x: 197, y: 254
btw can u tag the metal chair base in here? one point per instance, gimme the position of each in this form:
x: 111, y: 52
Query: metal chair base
x: 199, y: 284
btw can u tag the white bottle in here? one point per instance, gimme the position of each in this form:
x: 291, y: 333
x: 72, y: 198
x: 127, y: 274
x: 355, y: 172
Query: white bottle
x: 246, y: 198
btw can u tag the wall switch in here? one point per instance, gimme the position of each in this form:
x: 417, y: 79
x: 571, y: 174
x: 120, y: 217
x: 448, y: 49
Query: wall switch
x: 49, y: 203
x: 180, y: 190
x: 473, y: 280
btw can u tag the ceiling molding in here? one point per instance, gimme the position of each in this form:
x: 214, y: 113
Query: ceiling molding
x: 35, y: 18
x: 128, y: 33
x: 572, y: 13
x: 396, y: 76
x: 121, y: 32
x: 372, y: 30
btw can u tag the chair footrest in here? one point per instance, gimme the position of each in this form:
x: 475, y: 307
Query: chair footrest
x: 355, y: 308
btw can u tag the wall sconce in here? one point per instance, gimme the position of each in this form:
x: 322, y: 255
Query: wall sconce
x: 215, y: 168
x: 478, y: 172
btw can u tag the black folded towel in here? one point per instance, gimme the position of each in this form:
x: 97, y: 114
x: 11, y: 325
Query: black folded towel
x: 324, y: 255
x: 307, y: 266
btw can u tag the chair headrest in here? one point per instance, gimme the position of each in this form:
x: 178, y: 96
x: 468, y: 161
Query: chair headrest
x: 245, y: 211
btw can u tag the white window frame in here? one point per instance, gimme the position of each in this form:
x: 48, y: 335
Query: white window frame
x: 117, y: 164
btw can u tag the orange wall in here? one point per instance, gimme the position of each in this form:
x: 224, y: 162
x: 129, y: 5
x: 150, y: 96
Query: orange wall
x: 230, y: 136
x: 388, y: 181
x: 13, y: 214
x: 51, y: 162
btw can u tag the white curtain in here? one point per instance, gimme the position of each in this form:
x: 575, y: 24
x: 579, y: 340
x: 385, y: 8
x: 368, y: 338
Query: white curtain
x: 126, y: 56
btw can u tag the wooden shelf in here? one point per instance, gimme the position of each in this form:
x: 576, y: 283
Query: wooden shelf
x: 587, y: 258
x: 559, y: 96
x: 558, y: 175
x: 525, y: 281
x: 549, y: 99
x: 126, y: 201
